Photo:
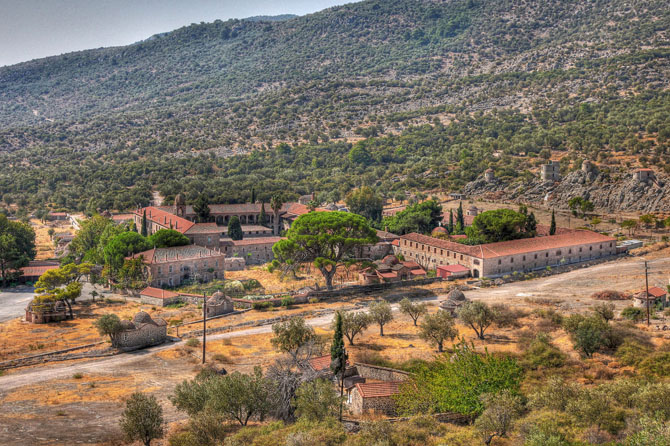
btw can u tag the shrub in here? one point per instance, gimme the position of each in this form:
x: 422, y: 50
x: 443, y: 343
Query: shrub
x: 261, y: 306
x: 78, y: 375
x: 633, y: 313
x: 657, y: 364
x: 543, y: 354
x: 193, y: 342
x: 631, y: 352
x: 313, y: 300
x: 287, y: 301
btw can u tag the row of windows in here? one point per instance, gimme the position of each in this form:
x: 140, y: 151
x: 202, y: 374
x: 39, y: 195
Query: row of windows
x: 204, y: 265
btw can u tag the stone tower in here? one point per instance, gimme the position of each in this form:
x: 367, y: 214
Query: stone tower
x: 180, y: 205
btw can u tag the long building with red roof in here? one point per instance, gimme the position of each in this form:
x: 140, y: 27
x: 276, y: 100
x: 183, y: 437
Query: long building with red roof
x: 501, y: 258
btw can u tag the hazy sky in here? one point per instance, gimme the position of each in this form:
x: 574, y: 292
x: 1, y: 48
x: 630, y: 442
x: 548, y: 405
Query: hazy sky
x: 30, y: 29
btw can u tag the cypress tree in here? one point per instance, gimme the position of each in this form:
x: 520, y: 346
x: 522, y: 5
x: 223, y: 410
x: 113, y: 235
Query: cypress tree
x: 459, y: 216
x: 144, y: 224
x: 253, y: 195
x: 552, y: 228
x: 337, y: 353
x: 451, y: 221
x: 235, y: 228
x: 262, y: 218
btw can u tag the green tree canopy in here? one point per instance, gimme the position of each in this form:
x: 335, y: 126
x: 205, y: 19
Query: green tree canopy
x: 325, y: 238
x: 201, y: 208
x: 499, y: 225
x: 166, y: 238
x: 420, y: 217
x: 88, y: 237
x: 122, y: 246
x: 364, y: 201
x: 17, y: 246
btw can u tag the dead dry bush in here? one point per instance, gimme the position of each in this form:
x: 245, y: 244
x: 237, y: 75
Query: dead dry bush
x: 610, y: 295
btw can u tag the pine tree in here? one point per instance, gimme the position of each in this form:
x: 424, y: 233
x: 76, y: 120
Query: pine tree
x: 144, y: 224
x: 459, y: 216
x: 451, y: 221
x: 552, y: 228
x: 253, y: 195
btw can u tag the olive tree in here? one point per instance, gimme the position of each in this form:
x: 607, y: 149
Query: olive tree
x: 142, y: 420
x: 381, y: 314
x: 353, y: 324
x: 437, y: 328
x: 413, y: 309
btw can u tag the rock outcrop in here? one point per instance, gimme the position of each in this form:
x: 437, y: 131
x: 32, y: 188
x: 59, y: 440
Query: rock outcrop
x: 623, y: 192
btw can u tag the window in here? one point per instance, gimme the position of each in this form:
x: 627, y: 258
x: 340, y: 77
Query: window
x: 499, y: 261
x: 580, y: 249
x: 535, y: 256
x: 590, y: 248
x: 524, y: 258
x: 441, y: 252
x: 159, y: 270
x: 601, y: 246
x: 476, y: 262
x: 170, y: 270
x: 570, y: 251
x: 209, y: 239
x: 558, y: 253
x: 511, y: 260
x: 546, y: 254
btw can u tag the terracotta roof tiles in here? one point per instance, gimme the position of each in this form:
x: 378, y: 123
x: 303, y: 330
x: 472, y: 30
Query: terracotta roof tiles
x: 378, y: 389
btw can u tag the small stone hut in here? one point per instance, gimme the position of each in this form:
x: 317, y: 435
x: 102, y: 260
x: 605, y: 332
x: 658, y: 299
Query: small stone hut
x: 141, y: 332
x: 219, y: 304
x: 455, y: 299
x: 45, y: 313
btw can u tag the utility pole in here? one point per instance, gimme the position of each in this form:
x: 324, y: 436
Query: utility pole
x: 646, y: 287
x: 204, y: 326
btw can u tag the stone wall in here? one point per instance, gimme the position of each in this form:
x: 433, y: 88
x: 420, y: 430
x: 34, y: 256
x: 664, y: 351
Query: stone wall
x: 234, y: 264
x: 359, y: 405
x: 145, y: 336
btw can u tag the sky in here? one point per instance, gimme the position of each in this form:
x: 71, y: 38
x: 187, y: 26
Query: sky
x: 31, y: 29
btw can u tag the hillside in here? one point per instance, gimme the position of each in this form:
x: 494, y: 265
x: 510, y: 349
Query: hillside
x: 506, y: 77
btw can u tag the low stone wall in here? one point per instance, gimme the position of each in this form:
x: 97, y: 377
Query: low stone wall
x: 372, y: 288
x: 369, y: 371
x: 258, y: 323
x: 56, y: 355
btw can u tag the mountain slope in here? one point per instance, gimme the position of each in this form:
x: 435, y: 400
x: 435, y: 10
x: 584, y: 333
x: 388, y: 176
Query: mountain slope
x: 548, y: 70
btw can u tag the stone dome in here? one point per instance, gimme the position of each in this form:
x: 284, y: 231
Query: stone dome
x: 127, y: 325
x: 440, y: 229
x: 217, y: 298
x: 142, y: 318
x: 456, y: 295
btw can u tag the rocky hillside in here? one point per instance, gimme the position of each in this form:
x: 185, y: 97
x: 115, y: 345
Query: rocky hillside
x: 431, y: 90
x: 608, y: 191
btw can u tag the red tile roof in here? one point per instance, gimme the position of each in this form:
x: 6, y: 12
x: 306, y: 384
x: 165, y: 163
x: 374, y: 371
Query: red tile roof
x: 453, y: 268
x: 158, y: 293
x: 166, y: 219
x: 205, y: 228
x: 396, y: 242
x: 320, y: 363
x: 654, y: 292
x: 256, y: 241
x: 122, y: 217
x: 36, y: 271
x: 512, y: 247
x: 175, y: 253
x: 378, y: 389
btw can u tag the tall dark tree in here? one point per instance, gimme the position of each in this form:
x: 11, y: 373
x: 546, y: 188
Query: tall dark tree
x: 145, y: 231
x: 364, y: 201
x: 235, y: 228
x: 531, y: 224
x: 253, y: 194
x: 451, y: 221
x: 552, y: 227
x: 201, y: 208
x: 263, y: 216
x: 276, y: 203
x: 460, y: 219
x: 338, y: 356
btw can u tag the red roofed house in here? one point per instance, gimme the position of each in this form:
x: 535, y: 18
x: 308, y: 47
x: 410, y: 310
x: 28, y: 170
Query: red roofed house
x: 501, y: 258
x: 390, y: 269
x: 35, y: 269
x: 372, y: 389
x: 452, y: 271
x: 656, y: 295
